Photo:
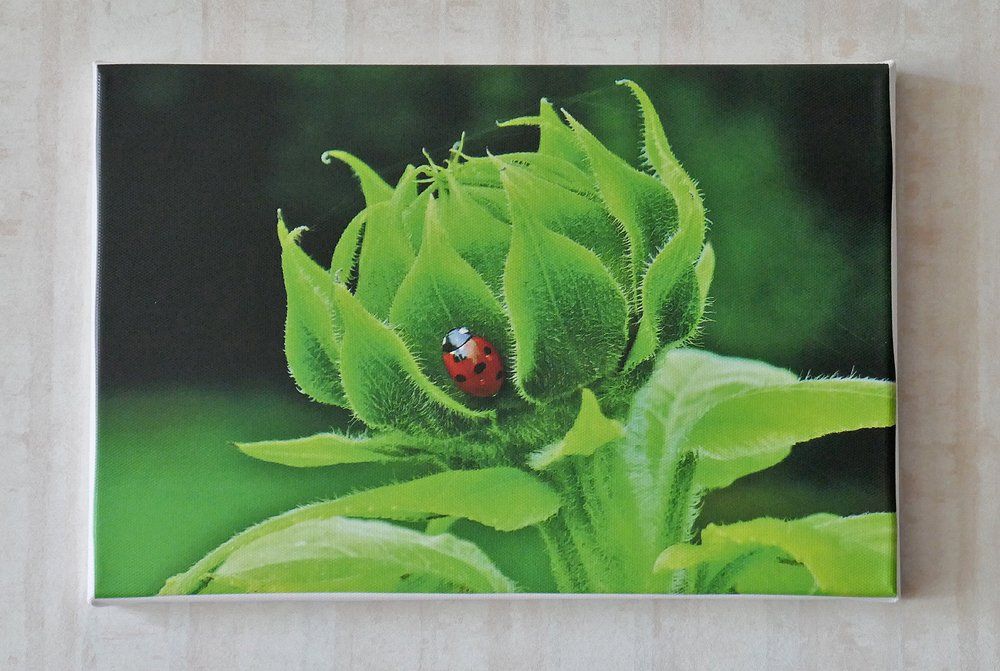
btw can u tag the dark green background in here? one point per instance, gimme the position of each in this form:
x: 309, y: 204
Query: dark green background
x: 794, y: 163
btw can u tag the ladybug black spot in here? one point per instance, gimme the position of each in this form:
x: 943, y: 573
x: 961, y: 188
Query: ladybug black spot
x: 499, y: 374
x: 487, y: 351
x: 456, y: 358
x: 459, y: 378
x: 480, y: 367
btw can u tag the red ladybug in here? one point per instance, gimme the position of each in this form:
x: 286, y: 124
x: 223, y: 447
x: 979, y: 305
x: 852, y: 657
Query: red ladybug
x: 473, y: 362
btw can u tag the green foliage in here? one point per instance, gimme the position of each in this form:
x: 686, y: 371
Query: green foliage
x: 555, y: 139
x: 386, y: 257
x: 581, y: 218
x: 472, y: 230
x: 751, y: 431
x: 844, y: 556
x: 330, y: 449
x: 313, y: 324
x: 440, y: 292
x: 503, y: 498
x: 373, y: 186
x: 384, y: 383
x: 590, y: 276
x: 568, y: 315
x: 344, y: 264
x: 590, y: 431
x: 346, y: 555
x: 710, y: 419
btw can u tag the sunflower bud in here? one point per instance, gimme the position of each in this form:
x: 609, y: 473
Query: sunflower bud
x: 579, y: 267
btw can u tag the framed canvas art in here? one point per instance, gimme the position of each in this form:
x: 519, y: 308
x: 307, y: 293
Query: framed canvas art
x: 401, y: 331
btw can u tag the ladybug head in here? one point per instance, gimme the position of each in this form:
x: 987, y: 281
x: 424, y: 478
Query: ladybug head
x: 455, y: 338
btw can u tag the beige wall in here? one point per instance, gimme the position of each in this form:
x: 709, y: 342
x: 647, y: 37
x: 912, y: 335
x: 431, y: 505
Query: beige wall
x: 949, y: 246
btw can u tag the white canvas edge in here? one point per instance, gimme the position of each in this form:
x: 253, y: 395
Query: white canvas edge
x: 437, y: 596
x: 91, y: 585
x: 94, y: 600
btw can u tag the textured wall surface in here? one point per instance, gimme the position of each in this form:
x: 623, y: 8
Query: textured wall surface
x: 948, y: 149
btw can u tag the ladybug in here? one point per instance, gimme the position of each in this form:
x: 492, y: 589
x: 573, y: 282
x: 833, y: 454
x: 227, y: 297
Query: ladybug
x: 473, y: 362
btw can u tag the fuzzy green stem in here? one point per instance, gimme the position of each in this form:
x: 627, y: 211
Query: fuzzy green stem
x: 683, y: 503
x: 580, y: 513
x: 564, y: 558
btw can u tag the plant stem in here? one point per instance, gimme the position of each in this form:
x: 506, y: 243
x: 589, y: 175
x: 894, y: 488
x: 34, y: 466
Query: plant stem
x: 683, y: 501
x: 564, y: 558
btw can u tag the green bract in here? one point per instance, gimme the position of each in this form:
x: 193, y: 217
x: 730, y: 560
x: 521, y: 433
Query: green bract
x: 580, y: 266
x: 588, y: 275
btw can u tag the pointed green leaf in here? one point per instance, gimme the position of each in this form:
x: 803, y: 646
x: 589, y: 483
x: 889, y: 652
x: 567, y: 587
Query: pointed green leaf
x: 656, y: 149
x: 707, y: 420
x: 316, y: 374
x: 682, y: 387
x: 347, y: 253
x: 704, y: 270
x: 670, y: 298
x: 555, y: 139
x: 374, y: 187
x: 344, y: 555
x: 568, y: 315
x: 491, y: 199
x: 479, y: 179
x: 643, y: 205
x: 664, y: 219
x: 344, y: 264
x: 328, y: 449
x: 756, y: 429
x: 472, y: 231
x: 568, y: 213
x: 478, y: 171
x: 442, y: 292
x: 406, y: 188
x: 590, y: 431
x: 484, y: 172
x: 312, y: 325
x: 503, y: 498
x: 408, y: 206
x: 414, y: 215
x: 555, y: 170
x: 845, y: 556
x: 385, y: 385
x: 386, y: 257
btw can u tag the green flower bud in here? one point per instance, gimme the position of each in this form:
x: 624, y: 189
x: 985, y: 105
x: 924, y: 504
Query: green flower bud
x: 579, y: 267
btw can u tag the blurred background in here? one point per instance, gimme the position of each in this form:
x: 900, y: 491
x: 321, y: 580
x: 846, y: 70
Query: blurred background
x: 794, y: 163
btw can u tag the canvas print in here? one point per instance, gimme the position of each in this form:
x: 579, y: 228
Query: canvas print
x: 494, y: 330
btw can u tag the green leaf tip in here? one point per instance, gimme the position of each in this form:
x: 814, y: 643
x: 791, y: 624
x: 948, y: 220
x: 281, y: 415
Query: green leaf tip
x: 590, y: 431
x: 704, y: 272
x: 289, y: 237
x: 385, y: 258
x: 471, y: 230
x: 665, y: 233
x: 374, y: 188
x: 312, y: 323
x: 661, y: 158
